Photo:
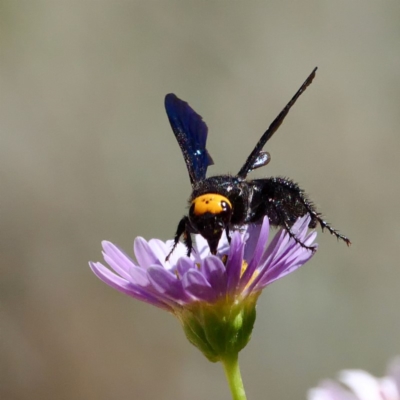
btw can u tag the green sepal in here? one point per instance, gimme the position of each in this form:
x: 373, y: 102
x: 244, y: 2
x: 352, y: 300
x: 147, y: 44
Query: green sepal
x: 219, y: 329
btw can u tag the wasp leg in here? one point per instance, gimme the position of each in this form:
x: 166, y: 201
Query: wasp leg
x: 228, y: 235
x: 182, y: 229
x: 296, y: 239
x: 309, y: 206
x: 323, y: 224
x: 187, y: 239
x: 283, y: 221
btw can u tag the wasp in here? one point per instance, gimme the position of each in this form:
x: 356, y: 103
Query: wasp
x: 228, y: 202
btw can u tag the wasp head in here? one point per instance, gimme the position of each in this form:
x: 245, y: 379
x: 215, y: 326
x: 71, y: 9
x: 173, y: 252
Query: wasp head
x: 210, y: 214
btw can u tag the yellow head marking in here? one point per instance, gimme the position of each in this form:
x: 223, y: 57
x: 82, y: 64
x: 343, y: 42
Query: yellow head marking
x: 210, y: 203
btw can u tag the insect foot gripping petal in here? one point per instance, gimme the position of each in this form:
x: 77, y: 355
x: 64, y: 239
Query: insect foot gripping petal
x: 181, y: 230
x: 297, y: 240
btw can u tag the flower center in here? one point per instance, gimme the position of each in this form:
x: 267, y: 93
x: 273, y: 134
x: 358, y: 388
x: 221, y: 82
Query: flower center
x: 254, y: 276
x: 243, y: 270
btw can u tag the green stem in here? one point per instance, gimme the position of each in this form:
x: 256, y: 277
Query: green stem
x: 232, y: 372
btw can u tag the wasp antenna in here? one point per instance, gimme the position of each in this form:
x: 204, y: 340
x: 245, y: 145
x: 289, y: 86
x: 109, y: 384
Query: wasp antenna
x: 276, y: 123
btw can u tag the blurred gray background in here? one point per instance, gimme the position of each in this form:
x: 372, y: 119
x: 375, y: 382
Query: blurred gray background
x: 87, y: 154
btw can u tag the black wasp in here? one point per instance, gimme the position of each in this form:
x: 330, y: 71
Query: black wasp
x: 226, y: 202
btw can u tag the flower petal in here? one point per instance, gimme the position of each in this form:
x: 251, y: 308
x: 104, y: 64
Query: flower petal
x: 363, y: 384
x: 124, y: 286
x: 202, y: 248
x: 223, y: 245
x: 215, y: 273
x: 258, y: 249
x: 144, y: 253
x: 329, y: 390
x: 139, y: 277
x: 276, y: 247
x: 117, y: 259
x: 166, y: 284
x: 180, y: 251
x: 276, y: 264
x: 250, y: 237
x: 282, y: 268
x: 202, y: 276
x: 394, y: 372
x: 160, y: 250
x: 196, y: 285
x: 234, y: 262
x: 184, y: 265
x: 110, y: 278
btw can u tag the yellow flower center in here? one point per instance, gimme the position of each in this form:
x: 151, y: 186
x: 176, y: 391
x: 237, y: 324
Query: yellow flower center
x: 243, y: 269
x: 254, y: 276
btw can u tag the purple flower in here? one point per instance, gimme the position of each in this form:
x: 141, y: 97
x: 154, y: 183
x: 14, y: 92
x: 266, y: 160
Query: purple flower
x: 361, y: 385
x: 243, y: 268
x: 213, y: 296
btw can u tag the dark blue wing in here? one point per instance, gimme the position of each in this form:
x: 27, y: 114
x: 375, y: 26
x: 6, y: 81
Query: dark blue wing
x: 191, y: 133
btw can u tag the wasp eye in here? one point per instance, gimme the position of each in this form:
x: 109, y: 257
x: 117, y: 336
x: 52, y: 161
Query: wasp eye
x: 225, y: 206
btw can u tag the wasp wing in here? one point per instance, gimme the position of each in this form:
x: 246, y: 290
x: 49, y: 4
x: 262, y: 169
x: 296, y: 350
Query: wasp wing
x: 262, y: 159
x: 191, y: 133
